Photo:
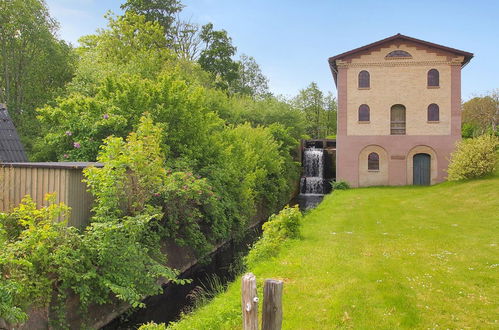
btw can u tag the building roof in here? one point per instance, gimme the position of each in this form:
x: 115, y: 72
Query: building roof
x: 332, y: 60
x: 11, y: 148
x: 65, y: 165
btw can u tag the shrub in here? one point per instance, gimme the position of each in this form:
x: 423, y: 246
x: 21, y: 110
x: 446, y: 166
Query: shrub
x: 284, y: 225
x: 340, y: 185
x: 474, y: 158
x: 30, y: 239
x: 152, y: 326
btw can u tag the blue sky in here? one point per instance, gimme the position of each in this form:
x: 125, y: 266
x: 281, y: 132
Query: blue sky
x: 292, y: 40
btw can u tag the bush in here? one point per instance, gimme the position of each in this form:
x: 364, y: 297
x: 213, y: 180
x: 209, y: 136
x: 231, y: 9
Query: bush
x: 276, y: 230
x: 340, y: 185
x: 474, y: 158
x: 152, y: 326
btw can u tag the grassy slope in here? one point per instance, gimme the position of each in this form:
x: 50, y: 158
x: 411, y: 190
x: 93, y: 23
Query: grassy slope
x: 389, y: 257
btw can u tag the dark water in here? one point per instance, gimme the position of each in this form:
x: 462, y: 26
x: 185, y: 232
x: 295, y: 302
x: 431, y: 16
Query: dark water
x: 225, y: 265
x: 307, y: 202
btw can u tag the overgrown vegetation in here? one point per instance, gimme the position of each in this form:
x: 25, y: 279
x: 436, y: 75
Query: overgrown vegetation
x: 192, y: 144
x: 474, y: 158
x: 481, y: 115
x: 279, y: 227
x: 384, y: 257
x: 340, y: 185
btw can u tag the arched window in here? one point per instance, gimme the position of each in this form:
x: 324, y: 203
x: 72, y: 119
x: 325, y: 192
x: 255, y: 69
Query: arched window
x: 364, y: 112
x: 397, y: 120
x: 433, y: 78
x: 398, y: 53
x: 373, y: 162
x: 433, y: 112
x: 364, y: 80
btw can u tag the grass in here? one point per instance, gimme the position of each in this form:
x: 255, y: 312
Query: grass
x: 385, y: 257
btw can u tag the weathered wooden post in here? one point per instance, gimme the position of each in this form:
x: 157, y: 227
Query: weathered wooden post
x: 272, y: 305
x: 250, y: 302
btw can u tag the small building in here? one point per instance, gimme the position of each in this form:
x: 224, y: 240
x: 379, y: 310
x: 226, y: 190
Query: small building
x: 399, y: 111
x: 19, y: 178
x: 37, y: 179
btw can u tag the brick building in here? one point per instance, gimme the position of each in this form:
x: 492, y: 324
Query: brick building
x: 399, y: 111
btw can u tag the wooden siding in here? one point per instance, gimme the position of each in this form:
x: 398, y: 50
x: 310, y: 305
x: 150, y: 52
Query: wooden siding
x: 17, y: 182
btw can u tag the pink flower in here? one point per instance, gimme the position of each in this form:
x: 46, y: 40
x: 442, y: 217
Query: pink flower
x: 105, y: 116
x: 68, y: 133
x: 65, y: 156
x: 76, y: 145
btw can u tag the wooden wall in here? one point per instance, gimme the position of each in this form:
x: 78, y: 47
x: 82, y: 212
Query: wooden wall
x: 17, y: 182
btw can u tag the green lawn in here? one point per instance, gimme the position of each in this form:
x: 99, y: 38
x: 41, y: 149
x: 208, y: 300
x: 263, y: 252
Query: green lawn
x: 389, y: 257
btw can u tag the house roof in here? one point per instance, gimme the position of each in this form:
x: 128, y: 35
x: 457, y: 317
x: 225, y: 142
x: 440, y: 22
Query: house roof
x: 11, y: 148
x: 62, y: 165
x: 332, y: 60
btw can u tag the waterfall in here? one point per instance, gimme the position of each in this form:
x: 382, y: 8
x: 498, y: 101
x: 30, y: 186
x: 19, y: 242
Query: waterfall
x: 312, y: 181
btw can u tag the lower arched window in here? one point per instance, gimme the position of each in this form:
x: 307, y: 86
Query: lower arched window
x: 373, y: 162
x: 433, y: 112
x: 364, y: 112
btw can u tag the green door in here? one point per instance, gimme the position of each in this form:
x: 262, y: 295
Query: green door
x: 421, y: 169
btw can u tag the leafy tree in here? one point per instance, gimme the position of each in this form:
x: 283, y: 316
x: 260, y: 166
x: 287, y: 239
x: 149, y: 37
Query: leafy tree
x: 482, y: 113
x: 331, y: 107
x: 216, y: 57
x: 186, y: 39
x: 320, y: 111
x: 130, y: 45
x: 34, y: 64
x: 251, y: 80
x: 160, y: 11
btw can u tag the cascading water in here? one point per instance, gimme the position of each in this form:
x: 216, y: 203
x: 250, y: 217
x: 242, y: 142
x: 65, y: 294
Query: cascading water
x: 312, y: 181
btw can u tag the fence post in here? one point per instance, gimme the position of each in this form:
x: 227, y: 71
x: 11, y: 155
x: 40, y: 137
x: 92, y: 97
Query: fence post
x: 250, y: 302
x: 272, y: 305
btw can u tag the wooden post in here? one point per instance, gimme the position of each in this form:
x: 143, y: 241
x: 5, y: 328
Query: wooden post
x: 250, y: 302
x: 272, y: 305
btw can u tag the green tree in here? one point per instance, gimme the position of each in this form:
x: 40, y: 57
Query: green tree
x: 320, y: 111
x: 34, y: 64
x: 331, y: 107
x: 251, y: 80
x: 216, y: 57
x: 186, y: 38
x: 482, y: 113
x: 130, y: 45
x: 160, y: 11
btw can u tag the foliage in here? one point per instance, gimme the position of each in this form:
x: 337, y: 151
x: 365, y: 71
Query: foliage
x: 371, y: 259
x: 474, y: 158
x: 132, y: 175
x: 130, y: 45
x: 31, y: 239
x: 481, y: 114
x: 340, y: 185
x: 152, y: 326
x: 186, y: 39
x: 34, y: 64
x: 251, y: 80
x: 245, y: 166
x: 191, y: 212
x: 42, y: 256
x: 216, y: 57
x: 285, y: 225
x: 160, y: 11
x: 320, y: 111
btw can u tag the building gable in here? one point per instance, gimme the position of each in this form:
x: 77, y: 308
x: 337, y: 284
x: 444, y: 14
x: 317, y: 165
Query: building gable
x: 421, y: 50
